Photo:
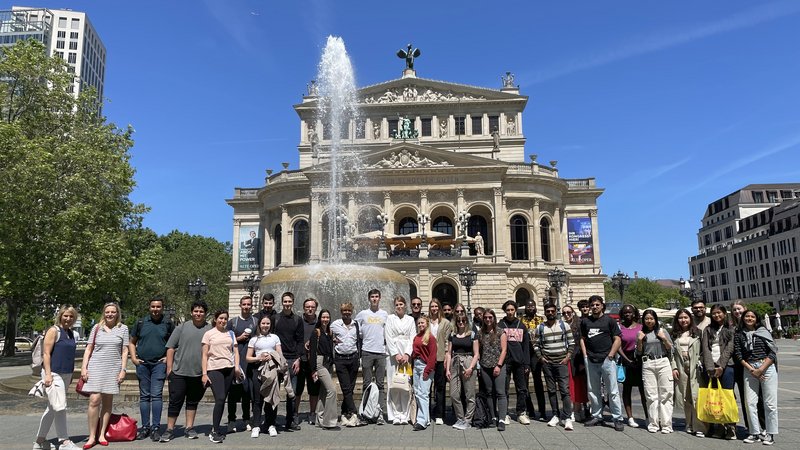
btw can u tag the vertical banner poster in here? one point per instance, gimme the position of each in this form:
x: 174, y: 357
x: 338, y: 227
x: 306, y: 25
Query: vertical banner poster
x: 249, y: 248
x: 579, y: 240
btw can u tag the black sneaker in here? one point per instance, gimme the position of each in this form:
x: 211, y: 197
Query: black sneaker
x: 767, y: 440
x: 501, y: 426
x: 142, y: 434
x: 293, y: 425
x: 155, y: 435
x: 191, y: 434
x: 418, y: 427
x: 751, y: 439
x: 169, y: 433
x: 216, y: 438
x: 380, y: 420
x: 619, y: 426
x: 593, y: 422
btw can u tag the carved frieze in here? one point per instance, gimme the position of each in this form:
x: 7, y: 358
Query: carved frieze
x: 405, y: 159
x: 411, y: 94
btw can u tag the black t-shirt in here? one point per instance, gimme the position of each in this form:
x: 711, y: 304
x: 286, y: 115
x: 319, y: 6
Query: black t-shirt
x: 462, y: 345
x: 599, y: 334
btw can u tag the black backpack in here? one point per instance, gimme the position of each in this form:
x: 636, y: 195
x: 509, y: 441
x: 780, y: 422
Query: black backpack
x: 483, y: 415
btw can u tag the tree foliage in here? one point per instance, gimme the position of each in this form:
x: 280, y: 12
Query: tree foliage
x: 65, y: 176
x: 644, y: 293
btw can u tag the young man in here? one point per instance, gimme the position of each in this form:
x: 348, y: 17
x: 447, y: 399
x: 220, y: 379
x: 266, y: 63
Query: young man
x: 447, y: 309
x: 372, y: 322
x: 288, y: 327
x: 531, y: 321
x: 267, y: 308
x: 304, y: 376
x: 554, y: 345
x: 600, y: 341
x: 699, y: 314
x: 244, y: 326
x: 149, y: 354
x: 184, y: 370
x: 477, y: 320
x: 518, y: 358
x: 346, y: 352
x: 416, y: 308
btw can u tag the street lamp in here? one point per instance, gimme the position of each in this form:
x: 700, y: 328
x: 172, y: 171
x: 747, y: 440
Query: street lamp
x: 558, y: 279
x: 696, y: 289
x: 198, y: 288
x: 251, y: 283
x: 570, y: 296
x: 620, y: 282
x: 793, y: 300
x: 468, y: 278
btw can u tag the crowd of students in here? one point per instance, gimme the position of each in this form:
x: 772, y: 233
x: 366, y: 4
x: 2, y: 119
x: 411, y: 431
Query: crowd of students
x: 254, y: 359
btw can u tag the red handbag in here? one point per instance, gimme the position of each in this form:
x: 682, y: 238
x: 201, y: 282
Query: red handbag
x: 121, y: 428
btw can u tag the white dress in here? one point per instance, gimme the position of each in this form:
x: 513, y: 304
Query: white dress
x: 399, y: 335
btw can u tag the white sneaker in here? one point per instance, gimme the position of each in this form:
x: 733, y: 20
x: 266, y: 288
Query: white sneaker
x: 572, y: 417
x: 523, y: 419
x: 459, y: 425
x: 666, y: 430
x: 273, y: 431
x: 45, y: 445
x: 255, y: 432
x: 652, y: 428
x: 439, y: 421
x: 553, y: 421
x: 248, y: 427
x: 507, y: 420
x: 67, y: 445
x: 568, y: 425
x: 632, y: 423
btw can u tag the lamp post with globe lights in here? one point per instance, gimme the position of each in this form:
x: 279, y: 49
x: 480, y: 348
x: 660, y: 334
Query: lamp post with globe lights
x: 468, y: 278
x: 558, y: 278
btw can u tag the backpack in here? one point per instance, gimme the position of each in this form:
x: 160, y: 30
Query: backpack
x: 37, y: 352
x: 482, y: 418
x: 370, y: 408
x: 540, y: 331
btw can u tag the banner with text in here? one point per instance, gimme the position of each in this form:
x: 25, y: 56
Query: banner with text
x: 249, y: 248
x: 579, y: 239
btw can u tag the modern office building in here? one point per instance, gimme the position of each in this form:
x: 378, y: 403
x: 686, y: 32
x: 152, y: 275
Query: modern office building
x: 748, y: 245
x: 466, y: 155
x: 66, y: 34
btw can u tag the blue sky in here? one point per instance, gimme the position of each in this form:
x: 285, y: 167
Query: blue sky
x: 670, y: 105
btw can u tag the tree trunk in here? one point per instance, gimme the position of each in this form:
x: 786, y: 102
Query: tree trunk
x: 11, y: 326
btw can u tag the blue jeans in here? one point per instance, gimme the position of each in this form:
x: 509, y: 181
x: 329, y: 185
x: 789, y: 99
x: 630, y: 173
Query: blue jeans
x: 422, y: 390
x: 769, y: 390
x: 151, y: 387
x: 607, y: 372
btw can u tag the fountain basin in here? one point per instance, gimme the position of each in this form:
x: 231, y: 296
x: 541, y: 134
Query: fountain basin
x: 334, y: 284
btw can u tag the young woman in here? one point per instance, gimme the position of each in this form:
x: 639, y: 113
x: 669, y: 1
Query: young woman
x: 685, y: 362
x: 493, y: 346
x: 424, y: 358
x: 321, y: 363
x: 399, y: 336
x: 738, y: 308
x: 219, y: 363
x: 655, y: 346
x: 755, y: 350
x: 103, y: 370
x: 440, y: 328
x: 463, y: 351
x: 630, y: 327
x: 578, y: 390
x: 716, y: 353
x: 58, y: 361
x: 259, y: 351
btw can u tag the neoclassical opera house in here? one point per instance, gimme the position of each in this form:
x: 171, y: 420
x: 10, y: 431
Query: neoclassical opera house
x: 465, y: 154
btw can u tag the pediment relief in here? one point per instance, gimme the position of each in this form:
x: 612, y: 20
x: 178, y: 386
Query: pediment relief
x: 405, y: 159
x: 417, y: 94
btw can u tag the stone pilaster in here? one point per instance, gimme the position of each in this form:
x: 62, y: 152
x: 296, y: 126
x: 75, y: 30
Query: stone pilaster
x: 287, y: 249
x: 315, y: 222
x: 537, y: 233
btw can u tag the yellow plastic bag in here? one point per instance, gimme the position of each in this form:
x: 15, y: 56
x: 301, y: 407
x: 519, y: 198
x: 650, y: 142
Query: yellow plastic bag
x: 717, y: 405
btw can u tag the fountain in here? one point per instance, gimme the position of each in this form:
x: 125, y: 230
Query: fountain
x: 335, y: 282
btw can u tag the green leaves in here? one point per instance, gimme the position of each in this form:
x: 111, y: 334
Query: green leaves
x: 644, y: 293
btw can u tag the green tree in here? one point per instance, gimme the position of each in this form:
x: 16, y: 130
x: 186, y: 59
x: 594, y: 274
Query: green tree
x: 644, y: 293
x: 185, y: 257
x: 66, y: 220
x: 760, y: 309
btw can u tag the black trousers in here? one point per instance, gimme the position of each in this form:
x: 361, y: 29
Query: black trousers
x: 239, y: 393
x: 517, y: 370
x: 188, y: 389
x: 220, y: 385
x: 439, y: 390
x: 538, y: 389
x: 347, y: 371
x: 270, y: 411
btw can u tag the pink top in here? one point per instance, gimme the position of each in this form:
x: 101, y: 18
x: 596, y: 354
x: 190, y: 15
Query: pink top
x: 629, y: 337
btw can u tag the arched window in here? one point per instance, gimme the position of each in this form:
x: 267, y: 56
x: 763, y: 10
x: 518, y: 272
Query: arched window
x: 519, y: 238
x: 278, y: 244
x: 300, y: 231
x: 544, y: 231
x: 522, y: 297
x: 407, y: 225
x: 442, y: 224
x: 446, y: 293
x: 477, y: 224
x: 368, y: 220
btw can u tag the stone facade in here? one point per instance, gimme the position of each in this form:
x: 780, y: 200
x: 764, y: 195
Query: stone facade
x: 468, y: 157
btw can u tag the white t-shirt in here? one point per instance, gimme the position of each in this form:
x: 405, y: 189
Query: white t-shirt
x: 263, y: 344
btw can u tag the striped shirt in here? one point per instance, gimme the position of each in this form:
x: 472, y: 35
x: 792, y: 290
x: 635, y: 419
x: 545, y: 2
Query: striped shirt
x: 553, y: 343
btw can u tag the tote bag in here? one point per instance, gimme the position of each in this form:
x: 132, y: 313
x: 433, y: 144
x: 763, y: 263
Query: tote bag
x: 717, y: 405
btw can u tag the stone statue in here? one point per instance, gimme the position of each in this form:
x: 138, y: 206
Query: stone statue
x: 443, y: 128
x: 511, y: 127
x: 405, y: 130
x: 409, y: 56
x: 508, y: 80
x: 479, y: 243
x: 376, y: 130
x: 495, y: 140
x: 313, y: 91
